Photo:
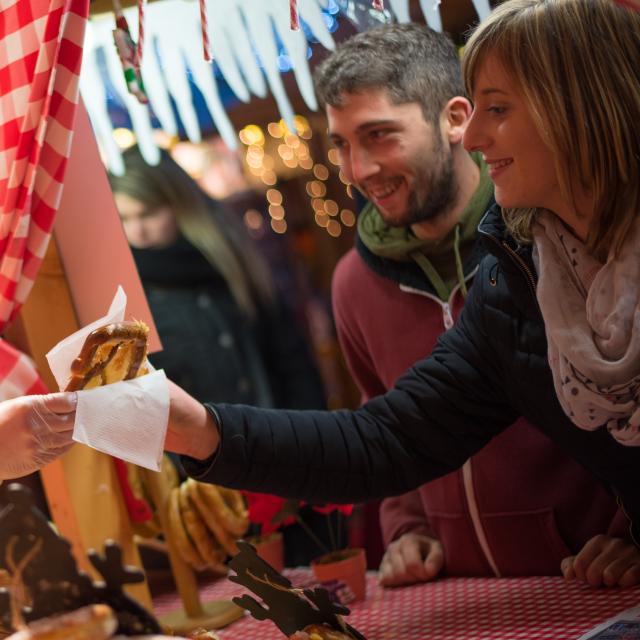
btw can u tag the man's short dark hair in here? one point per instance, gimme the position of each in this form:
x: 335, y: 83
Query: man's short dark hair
x: 412, y: 62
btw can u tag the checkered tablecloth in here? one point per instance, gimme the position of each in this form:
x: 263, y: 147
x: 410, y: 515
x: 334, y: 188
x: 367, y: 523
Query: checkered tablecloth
x: 454, y: 609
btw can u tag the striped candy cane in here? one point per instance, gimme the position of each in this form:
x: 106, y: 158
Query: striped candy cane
x: 293, y: 12
x: 128, y: 54
x: 204, y: 24
x: 141, y: 8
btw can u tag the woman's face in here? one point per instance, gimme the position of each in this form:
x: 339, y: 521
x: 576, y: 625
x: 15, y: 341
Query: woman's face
x: 521, y: 165
x: 146, y: 228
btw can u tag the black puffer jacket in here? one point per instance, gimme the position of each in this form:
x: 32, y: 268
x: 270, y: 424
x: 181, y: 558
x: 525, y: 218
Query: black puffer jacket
x: 485, y: 372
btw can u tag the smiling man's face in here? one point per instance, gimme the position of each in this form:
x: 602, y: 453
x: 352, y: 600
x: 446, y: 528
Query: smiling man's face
x: 393, y: 156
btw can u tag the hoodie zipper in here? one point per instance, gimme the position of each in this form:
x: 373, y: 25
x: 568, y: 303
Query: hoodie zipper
x: 446, y: 307
x: 467, y: 475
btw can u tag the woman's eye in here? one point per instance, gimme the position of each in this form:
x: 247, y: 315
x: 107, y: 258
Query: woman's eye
x: 497, y: 110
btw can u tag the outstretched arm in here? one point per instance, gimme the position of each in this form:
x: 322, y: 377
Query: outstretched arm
x: 441, y: 412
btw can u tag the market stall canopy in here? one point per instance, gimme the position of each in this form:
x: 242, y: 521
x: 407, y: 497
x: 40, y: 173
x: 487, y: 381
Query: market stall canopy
x: 252, y: 44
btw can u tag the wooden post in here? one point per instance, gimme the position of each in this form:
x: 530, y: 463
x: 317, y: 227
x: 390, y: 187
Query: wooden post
x: 193, y: 614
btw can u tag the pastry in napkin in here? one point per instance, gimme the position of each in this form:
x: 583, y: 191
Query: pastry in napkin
x: 112, y: 353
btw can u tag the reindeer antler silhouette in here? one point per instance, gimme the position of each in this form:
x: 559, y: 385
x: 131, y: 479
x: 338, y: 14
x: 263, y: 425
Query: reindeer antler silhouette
x: 18, y: 593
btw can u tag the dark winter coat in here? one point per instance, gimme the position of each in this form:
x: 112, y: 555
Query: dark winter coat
x: 214, y: 351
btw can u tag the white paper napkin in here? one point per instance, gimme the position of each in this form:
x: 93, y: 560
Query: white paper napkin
x: 126, y: 419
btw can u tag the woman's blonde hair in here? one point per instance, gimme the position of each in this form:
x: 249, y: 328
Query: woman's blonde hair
x: 203, y: 222
x: 577, y: 63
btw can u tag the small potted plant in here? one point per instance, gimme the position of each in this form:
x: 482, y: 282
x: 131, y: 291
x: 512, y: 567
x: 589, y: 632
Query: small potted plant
x: 336, y: 567
x: 342, y: 566
x: 266, y: 514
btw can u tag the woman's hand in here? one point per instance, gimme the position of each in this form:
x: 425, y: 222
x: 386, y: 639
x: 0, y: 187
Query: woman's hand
x: 192, y: 429
x: 605, y: 561
x: 411, y: 558
x: 34, y: 430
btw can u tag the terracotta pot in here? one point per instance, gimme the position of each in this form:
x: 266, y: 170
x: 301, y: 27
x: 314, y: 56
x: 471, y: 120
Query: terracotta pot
x: 271, y: 549
x: 348, y: 566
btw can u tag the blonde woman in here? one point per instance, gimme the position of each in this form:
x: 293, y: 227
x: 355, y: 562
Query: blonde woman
x: 551, y: 327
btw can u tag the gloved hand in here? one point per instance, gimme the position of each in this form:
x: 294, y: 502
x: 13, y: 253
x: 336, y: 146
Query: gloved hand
x: 34, y: 430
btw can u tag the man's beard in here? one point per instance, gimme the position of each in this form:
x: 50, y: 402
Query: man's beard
x: 435, y: 189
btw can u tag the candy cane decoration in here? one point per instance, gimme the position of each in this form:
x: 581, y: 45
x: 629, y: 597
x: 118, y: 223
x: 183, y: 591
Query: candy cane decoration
x: 128, y: 53
x: 293, y: 11
x: 206, y: 48
x: 378, y: 5
x: 141, y: 8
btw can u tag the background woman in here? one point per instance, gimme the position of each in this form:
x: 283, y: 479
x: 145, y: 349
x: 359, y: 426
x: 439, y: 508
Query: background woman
x: 225, y: 332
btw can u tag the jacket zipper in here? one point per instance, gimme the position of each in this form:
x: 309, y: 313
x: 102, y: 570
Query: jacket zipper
x: 522, y: 265
x: 447, y: 307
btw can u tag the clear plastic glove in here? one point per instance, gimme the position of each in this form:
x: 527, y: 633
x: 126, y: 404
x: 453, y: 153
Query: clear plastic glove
x: 34, y: 430
x: 604, y: 561
x: 411, y: 558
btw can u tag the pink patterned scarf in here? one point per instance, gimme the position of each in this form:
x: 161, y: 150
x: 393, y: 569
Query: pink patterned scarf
x: 591, y: 314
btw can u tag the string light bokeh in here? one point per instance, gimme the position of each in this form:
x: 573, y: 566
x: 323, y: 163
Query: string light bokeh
x: 276, y: 153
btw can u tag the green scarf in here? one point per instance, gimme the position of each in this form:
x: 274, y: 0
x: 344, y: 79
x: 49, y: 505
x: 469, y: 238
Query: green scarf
x: 441, y: 260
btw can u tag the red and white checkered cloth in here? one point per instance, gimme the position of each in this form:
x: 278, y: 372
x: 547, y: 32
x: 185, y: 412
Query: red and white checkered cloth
x: 40, y: 55
x: 533, y: 608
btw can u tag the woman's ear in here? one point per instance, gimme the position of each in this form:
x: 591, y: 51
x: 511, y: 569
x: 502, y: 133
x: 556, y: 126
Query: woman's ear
x: 455, y: 117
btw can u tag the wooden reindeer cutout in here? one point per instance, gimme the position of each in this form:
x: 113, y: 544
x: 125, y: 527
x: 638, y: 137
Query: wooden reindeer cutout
x: 289, y: 608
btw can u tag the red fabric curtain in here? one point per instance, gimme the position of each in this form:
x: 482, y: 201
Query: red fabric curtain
x: 40, y: 57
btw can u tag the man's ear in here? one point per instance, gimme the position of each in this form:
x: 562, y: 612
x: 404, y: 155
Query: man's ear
x: 454, y: 118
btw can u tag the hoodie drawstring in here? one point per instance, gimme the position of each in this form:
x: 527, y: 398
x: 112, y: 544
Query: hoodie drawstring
x: 459, y: 269
x: 434, y: 277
